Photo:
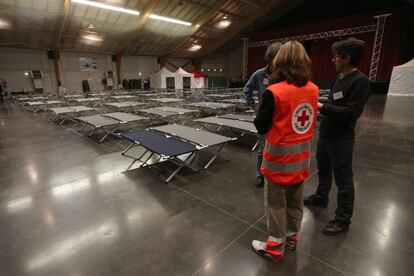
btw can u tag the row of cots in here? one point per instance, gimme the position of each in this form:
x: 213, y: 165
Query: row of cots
x: 173, y: 141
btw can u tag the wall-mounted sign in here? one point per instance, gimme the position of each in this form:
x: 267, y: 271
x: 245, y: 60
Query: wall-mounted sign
x: 88, y: 64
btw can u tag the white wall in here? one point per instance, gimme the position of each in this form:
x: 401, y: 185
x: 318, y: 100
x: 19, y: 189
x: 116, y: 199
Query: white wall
x: 72, y: 75
x: 15, y: 62
x: 179, y: 62
x: 132, y: 65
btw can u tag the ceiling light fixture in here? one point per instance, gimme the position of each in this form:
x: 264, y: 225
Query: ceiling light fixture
x: 4, y: 24
x: 223, y: 24
x: 168, y: 19
x: 194, y: 48
x: 93, y: 37
x: 106, y: 6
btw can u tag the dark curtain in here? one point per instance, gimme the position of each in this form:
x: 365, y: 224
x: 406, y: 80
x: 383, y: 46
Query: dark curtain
x: 392, y: 51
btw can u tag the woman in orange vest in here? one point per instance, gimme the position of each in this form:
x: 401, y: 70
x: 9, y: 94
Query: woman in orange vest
x: 287, y: 116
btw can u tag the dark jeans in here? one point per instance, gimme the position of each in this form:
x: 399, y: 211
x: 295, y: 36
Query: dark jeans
x: 336, y: 155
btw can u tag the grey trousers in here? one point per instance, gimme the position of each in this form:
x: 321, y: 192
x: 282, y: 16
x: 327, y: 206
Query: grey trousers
x: 283, y: 208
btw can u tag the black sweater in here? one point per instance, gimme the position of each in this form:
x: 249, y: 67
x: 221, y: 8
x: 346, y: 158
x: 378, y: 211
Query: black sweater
x: 346, y: 102
x: 263, y: 120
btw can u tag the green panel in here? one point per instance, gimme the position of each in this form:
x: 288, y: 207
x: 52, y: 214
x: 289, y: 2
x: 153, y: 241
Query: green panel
x: 217, y: 81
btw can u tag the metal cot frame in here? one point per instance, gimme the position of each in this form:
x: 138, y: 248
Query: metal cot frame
x: 167, y: 148
x: 108, y: 122
x: 222, y: 122
x: 64, y: 112
x: 203, y: 139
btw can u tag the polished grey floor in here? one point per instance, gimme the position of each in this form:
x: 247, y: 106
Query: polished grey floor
x: 67, y: 206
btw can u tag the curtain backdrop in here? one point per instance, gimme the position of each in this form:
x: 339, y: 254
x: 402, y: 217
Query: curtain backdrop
x: 320, y: 50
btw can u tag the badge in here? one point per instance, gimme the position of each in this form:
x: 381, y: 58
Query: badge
x: 265, y: 81
x: 302, y: 118
x: 338, y: 95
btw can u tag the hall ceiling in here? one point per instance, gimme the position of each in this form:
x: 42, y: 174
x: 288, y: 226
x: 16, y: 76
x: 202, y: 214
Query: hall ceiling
x: 62, y: 24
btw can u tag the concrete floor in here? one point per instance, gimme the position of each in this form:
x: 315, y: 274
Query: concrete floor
x: 68, y: 208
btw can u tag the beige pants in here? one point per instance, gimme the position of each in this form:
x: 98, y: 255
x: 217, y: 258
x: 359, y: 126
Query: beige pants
x: 283, y: 208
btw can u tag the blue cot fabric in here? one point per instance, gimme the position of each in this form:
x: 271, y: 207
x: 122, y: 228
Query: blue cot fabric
x: 159, y: 143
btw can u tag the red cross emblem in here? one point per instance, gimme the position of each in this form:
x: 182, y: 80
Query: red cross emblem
x: 302, y: 119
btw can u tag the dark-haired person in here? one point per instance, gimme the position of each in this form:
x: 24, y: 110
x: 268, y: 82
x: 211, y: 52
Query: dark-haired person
x: 346, y: 102
x: 287, y: 116
x: 258, y: 82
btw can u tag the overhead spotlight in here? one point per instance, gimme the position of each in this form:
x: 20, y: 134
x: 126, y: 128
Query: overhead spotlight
x: 225, y: 17
x: 93, y: 37
x: 26, y: 73
x: 168, y: 19
x: 194, y: 48
x: 4, y: 24
x: 223, y: 24
x: 106, y: 6
x: 139, y: 73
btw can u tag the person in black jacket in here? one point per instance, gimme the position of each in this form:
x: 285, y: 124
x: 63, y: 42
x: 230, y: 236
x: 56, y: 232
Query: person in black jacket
x: 346, y: 102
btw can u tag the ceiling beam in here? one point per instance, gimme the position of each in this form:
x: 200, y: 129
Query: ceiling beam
x: 232, y: 15
x: 142, y: 19
x: 193, y: 3
x: 252, y: 3
x: 212, y: 29
x: 62, y: 23
x: 200, y: 22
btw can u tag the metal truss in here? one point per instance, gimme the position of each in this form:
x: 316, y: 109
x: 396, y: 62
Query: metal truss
x: 378, y: 28
x: 328, y: 34
x: 376, y: 51
x: 245, y: 57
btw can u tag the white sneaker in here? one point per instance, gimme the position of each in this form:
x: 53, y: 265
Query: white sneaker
x: 274, y: 253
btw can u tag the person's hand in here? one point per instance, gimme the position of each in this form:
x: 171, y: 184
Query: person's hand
x: 320, y: 105
x: 256, y: 108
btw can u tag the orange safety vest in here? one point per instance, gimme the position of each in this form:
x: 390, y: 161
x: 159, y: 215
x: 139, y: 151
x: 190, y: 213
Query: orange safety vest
x: 286, y: 156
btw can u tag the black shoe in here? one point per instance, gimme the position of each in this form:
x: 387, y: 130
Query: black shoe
x: 335, y: 227
x: 316, y: 201
x: 259, y: 183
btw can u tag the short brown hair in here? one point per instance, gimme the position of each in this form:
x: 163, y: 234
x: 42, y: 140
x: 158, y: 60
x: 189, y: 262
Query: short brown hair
x: 352, y: 47
x: 292, y: 64
x: 271, y: 52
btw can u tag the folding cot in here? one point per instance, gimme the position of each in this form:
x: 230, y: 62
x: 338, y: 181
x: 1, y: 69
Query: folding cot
x: 124, y: 106
x: 71, y: 97
x: 22, y: 99
x: 165, y: 101
x: 175, y: 143
x: 234, y: 123
x: 39, y: 98
x: 240, y: 117
x: 211, y: 107
x: 93, y: 101
x: 220, y: 96
x: 122, y: 97
x: 108, y: 122
x: 34, y: 105
x: 168, y: 113
x: 42, y: 105
x: 67, y: 113
x: 159, y: 95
